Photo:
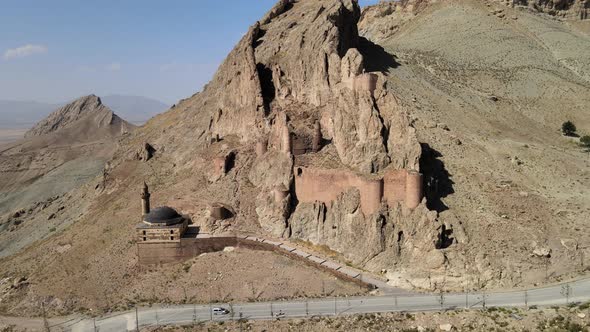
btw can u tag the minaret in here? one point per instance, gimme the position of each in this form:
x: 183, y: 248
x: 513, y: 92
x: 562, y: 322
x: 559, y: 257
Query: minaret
x: 145, y: 199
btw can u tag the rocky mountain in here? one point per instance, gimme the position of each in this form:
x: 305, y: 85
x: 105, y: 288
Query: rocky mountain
x: 79, y: 110
x: 417, y: 140
x: 24, y: 114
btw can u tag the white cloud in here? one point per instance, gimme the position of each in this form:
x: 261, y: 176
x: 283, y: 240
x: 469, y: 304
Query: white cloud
x: 24, y: 51
x: 114, y: 66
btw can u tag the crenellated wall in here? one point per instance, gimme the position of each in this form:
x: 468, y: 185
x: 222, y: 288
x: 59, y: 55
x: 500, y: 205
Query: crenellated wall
x: 325, y: 185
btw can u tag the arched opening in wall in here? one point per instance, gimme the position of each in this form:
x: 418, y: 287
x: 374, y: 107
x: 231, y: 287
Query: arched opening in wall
x: 445, y: 238
x: 267, y: 86
x: 230, y: 162
x: 299, y: 171
x: 437, y: 180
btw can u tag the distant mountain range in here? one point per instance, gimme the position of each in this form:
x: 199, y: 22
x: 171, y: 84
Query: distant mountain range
x: 25, y: 114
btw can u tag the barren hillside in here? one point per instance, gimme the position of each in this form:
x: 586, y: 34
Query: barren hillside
x: 489, y: 87
x: 470, y: 94
x: 62, y: 152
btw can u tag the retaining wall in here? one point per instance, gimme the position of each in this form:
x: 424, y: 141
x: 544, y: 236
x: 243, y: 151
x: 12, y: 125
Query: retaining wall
x: 163, y: 253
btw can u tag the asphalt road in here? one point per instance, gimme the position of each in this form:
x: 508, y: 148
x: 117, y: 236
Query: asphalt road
x: 578, y: 291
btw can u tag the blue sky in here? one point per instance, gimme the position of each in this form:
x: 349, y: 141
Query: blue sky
x: 54, y: 51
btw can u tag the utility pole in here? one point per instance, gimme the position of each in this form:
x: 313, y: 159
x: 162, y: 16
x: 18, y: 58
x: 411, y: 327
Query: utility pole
x: 442, y: 299
x: 306, y: 308
x: 136, y: 320
x: 467, y: 299
x: 210, y: 312
x: 566, y: 291
x: 335, y: 307
x: 271, y: 313
x: 194, y: 315
x: 94, y: 323
x: 157, y: 319
x: 526, y: 299
x: 45, y: 322
x: 484, y: 299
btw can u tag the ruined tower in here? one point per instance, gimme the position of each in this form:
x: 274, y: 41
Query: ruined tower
x: 316, y: 144
x: 145, y: 199
x: 286, y: 140
x: 413, y: 189
x: 261, y: 147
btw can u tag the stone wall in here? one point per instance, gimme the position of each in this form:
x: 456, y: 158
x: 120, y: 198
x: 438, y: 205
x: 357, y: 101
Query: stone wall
x: 325, y: 185
x: 365, y: 82
x: 164, y: 253
x: 161, y: 234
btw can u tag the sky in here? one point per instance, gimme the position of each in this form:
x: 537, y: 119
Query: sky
x: 55, y: 51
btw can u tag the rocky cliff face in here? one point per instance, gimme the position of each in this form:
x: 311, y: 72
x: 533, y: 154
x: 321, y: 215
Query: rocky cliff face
x: 570, y: 9
x: 302, y: 64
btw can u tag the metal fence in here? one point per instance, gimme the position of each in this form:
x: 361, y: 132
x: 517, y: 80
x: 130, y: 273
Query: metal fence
x: 143, y: 318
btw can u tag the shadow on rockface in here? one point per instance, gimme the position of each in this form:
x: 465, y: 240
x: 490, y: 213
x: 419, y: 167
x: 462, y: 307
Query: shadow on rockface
x: 437, y: 180
x: 375, y: 56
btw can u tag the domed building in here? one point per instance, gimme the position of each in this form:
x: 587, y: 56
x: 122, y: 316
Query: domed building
x: 162, y: 224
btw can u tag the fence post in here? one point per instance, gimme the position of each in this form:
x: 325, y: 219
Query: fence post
x: 157, y: 319
x: 136, y: 320
x: 566, y: 291
x: 194, y: 314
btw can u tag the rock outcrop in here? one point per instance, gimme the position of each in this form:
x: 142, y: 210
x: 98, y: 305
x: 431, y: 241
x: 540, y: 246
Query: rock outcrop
x: 570, y: 9
x: 80, y: 109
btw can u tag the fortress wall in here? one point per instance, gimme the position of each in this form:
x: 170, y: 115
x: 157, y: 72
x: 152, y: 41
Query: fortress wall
x: 365, y: 82
x: 371, y: 194
x: 325, y: 185
x: 413, y: 189
x: 394, y: 186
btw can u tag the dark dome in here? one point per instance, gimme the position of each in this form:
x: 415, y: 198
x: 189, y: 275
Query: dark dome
x: 163, y: 215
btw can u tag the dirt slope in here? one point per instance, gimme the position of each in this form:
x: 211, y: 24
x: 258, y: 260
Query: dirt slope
x: 59, y: 154
x: 502, y: 84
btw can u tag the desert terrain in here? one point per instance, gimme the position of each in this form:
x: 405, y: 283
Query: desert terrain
x: 471, y: 94
x: 11, y: 135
